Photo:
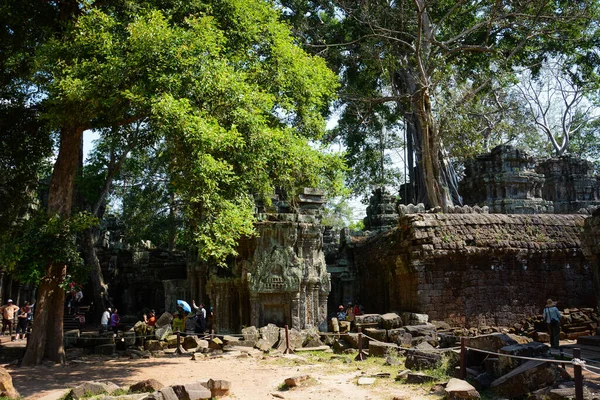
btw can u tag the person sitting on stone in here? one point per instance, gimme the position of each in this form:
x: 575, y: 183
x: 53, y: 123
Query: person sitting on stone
x: 357, y: 310
x: 150, y: 319
x: 350, y: 313
x: 341, y: 314
x: 177, y: 323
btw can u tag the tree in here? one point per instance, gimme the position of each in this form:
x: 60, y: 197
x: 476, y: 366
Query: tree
x: 410, y: 52
x: 557, y: 102
x: 222, y: 83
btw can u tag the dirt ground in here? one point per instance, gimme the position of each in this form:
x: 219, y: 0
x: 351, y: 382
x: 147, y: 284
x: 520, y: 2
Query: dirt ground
x: 252, y: 377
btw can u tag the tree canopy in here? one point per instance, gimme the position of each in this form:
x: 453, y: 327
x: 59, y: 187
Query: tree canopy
x: 221, y: 86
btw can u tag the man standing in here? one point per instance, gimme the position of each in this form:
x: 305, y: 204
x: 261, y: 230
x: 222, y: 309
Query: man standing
x: 104, y: 320
x: 552, y: 317
x: 8, y: 316
x: 200, y: 317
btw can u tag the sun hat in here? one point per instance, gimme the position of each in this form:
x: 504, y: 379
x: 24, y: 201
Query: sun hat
x: 9, y: 301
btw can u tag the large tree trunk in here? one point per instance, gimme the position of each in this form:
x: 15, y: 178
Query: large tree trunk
x: 46, y: 339
x: 100, y: 288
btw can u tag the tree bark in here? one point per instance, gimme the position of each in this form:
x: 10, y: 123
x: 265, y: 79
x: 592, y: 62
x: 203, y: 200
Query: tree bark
x: 46, y: 339
x: 100, y: 288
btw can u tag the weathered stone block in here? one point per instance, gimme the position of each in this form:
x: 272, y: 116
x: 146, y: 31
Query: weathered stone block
x: 458, y: 389
x: 192, y: 391
x: 172, y: 341
x: 533, y: 349
x: 251, y: 334
x: 527, y: 378
x: 416, y: 378
x: 295, y: 381
x: 168, y: 393
x: 92, y: 388
x: 219, y: 387
x: 419, y: 360
x: 400, y: 337
x: 378, y: 349
x: 391, y: 321
x: 420, y: 330
x: 154, y: 345
x: 191, y: 342
x: 269, y: 335
x: 146, y: 386
x: 377, y: 334
x: 367, y: 319
x: 410, y: 318
x: 345, y: 326
x: 352, y: 339
x: 105, y: 349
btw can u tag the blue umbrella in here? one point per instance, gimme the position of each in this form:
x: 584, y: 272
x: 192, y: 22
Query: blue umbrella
x: 186, y: 307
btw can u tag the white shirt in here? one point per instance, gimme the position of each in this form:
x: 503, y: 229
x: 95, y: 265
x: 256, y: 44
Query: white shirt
x: 105, y: 318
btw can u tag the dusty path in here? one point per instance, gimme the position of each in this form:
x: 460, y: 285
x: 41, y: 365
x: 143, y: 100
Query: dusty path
x: 252, y: 378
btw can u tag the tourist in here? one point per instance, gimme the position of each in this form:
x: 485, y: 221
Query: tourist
x: 114, y: 321
x: 104, y: 320
x: 341, y: 314
x: 22, y: 321
x: 150, y: 319
x: 350, y: 313
x: 8, y: 315
x: 177, y: 324
x: 200, y: 317
x: 552, y: 317
x: 77, y: 300
x: 357, y: 310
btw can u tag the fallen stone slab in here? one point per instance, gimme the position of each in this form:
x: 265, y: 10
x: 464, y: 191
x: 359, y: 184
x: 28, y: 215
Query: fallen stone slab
x: 390, y: 321
x: 417, y: 378
x: 400, y: 337
x: 318, y: 348
x: 105, y: 349
x: 458, y: 389
x: 57, y: 394
x: 299, y: 380
x: 146, y: 386
x: 352, y: 339
x: 377, y: 334
x: 532, y: 349
x: 410, y: 318
x: 190, y: 342
x: 363, y: 381
x: 133, y: 396
x: 6, y: 386
x: 219, y: 387
x: 379, y: 349
x: 92, y: 388
x: 420, y: 360
x: 167, y: 393
x: 427, y: 330
x: 526, y: 378
x: 566, y: 391
x: 192, y: 391
x: 367, y: 319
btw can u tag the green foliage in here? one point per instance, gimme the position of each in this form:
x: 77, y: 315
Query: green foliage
x: 338, y: 214
x: 43, y: 241
x: 231, y: 106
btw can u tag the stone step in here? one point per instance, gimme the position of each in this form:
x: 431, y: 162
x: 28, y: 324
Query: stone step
x: 589, y: 340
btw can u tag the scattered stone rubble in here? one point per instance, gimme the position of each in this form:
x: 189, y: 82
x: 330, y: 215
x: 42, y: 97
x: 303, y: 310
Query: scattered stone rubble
x: 425, y: 345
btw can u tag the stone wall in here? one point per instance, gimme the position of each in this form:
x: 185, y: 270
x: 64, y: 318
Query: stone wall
x: 569, y: 183
x: 279, y: 276
x: 381, y: 212
x: 590, y: 244
x: 506, y: 181
x: 475, y: 269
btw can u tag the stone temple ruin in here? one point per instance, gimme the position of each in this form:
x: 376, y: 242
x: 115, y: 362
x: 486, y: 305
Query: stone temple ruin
x: 491, y: 263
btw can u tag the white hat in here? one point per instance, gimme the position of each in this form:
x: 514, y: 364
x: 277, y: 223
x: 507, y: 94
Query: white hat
x: 109, y: 309
x: 9, y: 301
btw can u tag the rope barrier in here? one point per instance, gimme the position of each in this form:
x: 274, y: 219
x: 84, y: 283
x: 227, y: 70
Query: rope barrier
x: 521, y: 357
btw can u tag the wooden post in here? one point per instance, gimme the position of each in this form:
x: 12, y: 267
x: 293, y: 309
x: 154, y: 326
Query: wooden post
x: 178, y: 351
x: 463, y: 358
x: 578, y: 375
x: 288, y: 349
x: 361, y: 356
x: 212, y: 334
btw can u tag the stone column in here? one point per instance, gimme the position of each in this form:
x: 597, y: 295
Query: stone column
x: 309, y: 305
x: 254, y: 310
x: 322, y: 307
x: 295, y: 311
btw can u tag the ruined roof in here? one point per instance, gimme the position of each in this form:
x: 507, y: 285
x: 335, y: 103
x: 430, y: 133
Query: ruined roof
x: 437, y: 234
